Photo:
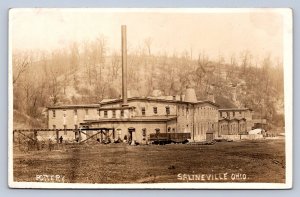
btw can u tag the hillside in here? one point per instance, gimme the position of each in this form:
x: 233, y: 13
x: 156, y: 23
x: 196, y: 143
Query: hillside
x: 89, y: 75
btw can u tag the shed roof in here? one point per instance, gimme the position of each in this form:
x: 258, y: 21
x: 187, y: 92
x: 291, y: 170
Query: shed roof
x: 235, y: 109
x: 134, y: 119
x: 74, y: 106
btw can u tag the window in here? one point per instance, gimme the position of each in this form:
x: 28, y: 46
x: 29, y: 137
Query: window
x: 201, y: 126
x: 167, y: 110
x: 86, y: 111
x: 173, y: 130
x: 105, y: 114
x: 122, y: 113
x: 220, y: 114
x: 65, y: 131
x: 143, y: 111
x: 144, y: 132
x: 155, y: 110
x: 75, y: 112
x: 53, y: 113
x: 54, y: 127
x: 233, y: 114
x: 76, y: 126
x: 169, y: 129
x: 114, y: 113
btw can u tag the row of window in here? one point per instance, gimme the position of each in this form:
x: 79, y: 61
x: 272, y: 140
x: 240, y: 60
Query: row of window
x: 197, y: 108
x: 222, y: 114
x: 155, y: 111
x: 204, y: 127
x: 143, y: 111
x: 233, y: 127
x: 87, y: 113
x: 65, y: 112
x: 203, y: 111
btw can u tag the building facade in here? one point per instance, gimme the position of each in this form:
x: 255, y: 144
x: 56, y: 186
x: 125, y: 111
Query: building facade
x: 235, y: 121
x: 142, y: 116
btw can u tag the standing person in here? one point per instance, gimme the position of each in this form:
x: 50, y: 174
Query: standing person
x: 61, y: 139
x: 50, y: 144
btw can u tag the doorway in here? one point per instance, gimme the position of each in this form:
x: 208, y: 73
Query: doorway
x: 131, y: 132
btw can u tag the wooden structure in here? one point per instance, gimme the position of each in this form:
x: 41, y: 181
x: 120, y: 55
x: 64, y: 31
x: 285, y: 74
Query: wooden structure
x: 105, y: 133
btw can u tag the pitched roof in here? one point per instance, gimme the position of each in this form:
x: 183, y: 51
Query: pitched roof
x: 111, y: 101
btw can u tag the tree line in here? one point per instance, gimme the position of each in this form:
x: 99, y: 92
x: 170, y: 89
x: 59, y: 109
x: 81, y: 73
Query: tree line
x: 90, y: 71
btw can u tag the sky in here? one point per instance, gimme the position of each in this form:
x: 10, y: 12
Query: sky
x: 213, y: 32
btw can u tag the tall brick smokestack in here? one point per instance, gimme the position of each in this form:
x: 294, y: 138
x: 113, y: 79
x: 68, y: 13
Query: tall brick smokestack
x: 124, y: 66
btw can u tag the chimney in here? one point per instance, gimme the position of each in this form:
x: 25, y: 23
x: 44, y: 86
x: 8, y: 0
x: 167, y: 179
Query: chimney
x: 124, y: 66
x: 190, y: 95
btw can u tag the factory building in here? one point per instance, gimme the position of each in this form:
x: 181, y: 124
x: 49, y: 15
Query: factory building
x: 140, y: 117
x: 145, y: 115
x: 136, y: 118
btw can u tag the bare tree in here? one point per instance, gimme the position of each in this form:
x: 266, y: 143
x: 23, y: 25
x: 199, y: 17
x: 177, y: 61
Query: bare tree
x: 20, y: 63
x: 246, y: 58
x: 54, y: 87
x: 116, y: 64
x: 74, y: 55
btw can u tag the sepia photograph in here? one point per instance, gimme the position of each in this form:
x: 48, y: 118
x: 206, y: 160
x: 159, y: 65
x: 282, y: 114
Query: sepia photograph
x: 150, y: 98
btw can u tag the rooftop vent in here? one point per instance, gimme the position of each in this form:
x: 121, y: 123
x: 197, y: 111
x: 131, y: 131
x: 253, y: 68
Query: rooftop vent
x: 190, y: 95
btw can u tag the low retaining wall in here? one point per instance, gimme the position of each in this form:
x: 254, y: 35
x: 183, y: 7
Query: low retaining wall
x: 243, y: 137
